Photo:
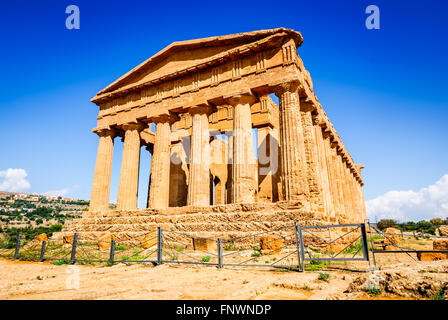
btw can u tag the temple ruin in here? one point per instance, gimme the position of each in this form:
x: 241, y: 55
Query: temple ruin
x: 209, y: 100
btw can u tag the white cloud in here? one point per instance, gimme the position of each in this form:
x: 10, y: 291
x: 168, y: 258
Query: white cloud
x: 58, y: 193
x: 424, y: 204
x: 14, y: 180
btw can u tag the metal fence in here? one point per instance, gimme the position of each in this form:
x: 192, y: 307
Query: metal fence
x: 286, y: 247
x: 387, y: 243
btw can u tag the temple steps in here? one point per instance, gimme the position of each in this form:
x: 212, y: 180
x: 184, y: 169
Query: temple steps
x: 226, y: 221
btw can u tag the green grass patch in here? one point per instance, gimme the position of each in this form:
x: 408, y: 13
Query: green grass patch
x: 323, y: 276
x: 374, y: 291
x: 205, y: 259
x: 61, y: 262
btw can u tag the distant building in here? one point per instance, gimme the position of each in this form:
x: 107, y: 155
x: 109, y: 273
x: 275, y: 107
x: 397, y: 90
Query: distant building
x: 33, y: 199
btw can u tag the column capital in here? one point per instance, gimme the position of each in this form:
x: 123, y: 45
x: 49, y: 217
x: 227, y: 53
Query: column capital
x: 318, y: 120
x: 203, y: 108
x: 133, y: 126
x: 289, y: 86
x: 165, y: 117
x: 240, y: 97
x: 307, y: 105
x: 105, y: 132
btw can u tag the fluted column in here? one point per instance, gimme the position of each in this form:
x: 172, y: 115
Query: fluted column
x: 349, y: 192
x: 331, y: 174
x: 355, y: 195
x: 159, y: 192
x: 99, y: 198
x: 324, y: 174
x: 244, y: 175
x: 363, y: 203
x: 344, y: 185
x: 292, y: 150
x: 313, y: 169
x: 338, y: 178
x: 199, y: 175
x: 130, y: 165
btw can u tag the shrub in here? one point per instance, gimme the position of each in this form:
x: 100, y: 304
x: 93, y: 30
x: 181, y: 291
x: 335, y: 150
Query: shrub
x: 439, y: 295
x: 386, y: 223
x: 374, y: 291
x: 205, y: 259
x: 324, y: 276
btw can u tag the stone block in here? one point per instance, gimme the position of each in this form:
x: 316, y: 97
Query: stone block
x: 440, y: 245
x: 443, y: 231
x: 150, y: 240
x: 204, y: 244
x: 431, y: 256
x: 392, y: 234
x: 104, y: 241
x: 271, y: 244
x: 42, y: 237
x: 68, y: 239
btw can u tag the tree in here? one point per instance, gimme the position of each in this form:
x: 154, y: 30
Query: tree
x: 386, y: 223
x: 426, y: 226
x: 436, y: 221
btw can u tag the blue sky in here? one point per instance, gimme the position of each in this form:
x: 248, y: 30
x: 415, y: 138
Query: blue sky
x: 384, y: 90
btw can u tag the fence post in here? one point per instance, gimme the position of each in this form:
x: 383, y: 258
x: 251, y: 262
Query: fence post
x: 413, y: 234
x: 371, y: 243
x: 423, y: 234
x: 159, y: 245
x: 16, y: 252
x: 42, y: 251
x: 297, y: 245
x: 302, y: 246
x: 75, y: 243
x: 402, y: 236
x: 112, y: 252
x: 365, y: 245
x: 220, y: 256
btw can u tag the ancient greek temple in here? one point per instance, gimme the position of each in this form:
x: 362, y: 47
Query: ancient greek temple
x: 219, y: 137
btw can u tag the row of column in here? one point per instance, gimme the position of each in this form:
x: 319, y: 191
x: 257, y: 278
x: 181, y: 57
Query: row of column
x: 341, y: 194
x: 311, y: 170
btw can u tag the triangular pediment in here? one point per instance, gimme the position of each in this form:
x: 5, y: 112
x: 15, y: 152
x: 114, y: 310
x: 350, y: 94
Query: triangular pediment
x: 186, y: 55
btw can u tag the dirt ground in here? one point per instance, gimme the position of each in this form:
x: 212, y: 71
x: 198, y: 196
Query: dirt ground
x: 44, y: 280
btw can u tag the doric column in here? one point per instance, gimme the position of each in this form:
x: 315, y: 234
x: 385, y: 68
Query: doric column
x: 130, y: 164
x: 331, y: 173
x: 244, y: 176
x: 355, y: 195
x: 324, y: 174
x: 359, y: 184
x: 348, y: 187
x: 159, y: 191
x: 292, y: 145
x: 363, y: 203
x: 268, y: 164
x: 338, y: 178
x: 99, y: 199
x: 199, y: 175
x: 344, y: 185
x: 313, y: 169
